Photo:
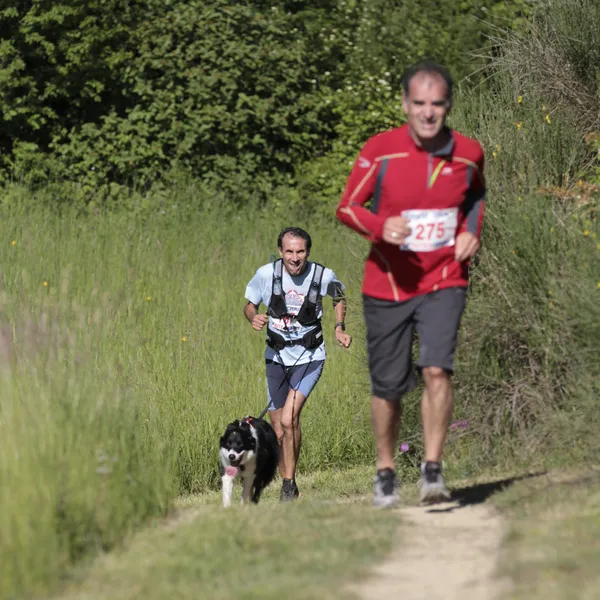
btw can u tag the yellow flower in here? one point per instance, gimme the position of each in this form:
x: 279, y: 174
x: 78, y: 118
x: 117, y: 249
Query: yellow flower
x: 513, y: 251
x: 519, y: 198
x: 148, y: 298
x: 551, y: 229
x: 519, y: 125
x: 520, y: 99
x: 14, y: 242
x: 494, y: 154
x: 586, y: 232
x: 45, y: 284
x: 548, y: 119
x: 598, y: 286
x: 183, y: 339
x: 497, y: 147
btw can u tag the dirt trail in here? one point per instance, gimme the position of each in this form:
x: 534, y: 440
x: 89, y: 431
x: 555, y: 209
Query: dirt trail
x: 447, y: 552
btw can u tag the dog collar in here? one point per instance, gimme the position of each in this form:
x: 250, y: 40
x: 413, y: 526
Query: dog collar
x: 248, y: 420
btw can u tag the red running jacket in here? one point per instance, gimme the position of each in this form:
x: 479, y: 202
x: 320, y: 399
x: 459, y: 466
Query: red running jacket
x: 397, y: 175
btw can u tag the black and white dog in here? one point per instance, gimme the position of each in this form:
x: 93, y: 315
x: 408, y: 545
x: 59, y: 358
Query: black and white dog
x: 249, y: 449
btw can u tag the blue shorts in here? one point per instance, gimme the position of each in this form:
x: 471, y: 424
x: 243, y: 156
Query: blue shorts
x: 282, y: 379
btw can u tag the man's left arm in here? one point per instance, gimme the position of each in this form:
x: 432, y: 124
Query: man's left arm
x: 467, y: 240
x: 336, y: 290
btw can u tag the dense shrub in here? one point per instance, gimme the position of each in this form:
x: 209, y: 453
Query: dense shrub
x: 130, y: 93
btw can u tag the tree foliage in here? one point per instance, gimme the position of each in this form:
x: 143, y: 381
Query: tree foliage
x: 244, y: 95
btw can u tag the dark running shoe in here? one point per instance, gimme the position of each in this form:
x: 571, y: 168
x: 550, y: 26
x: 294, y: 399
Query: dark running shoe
x: 289, y: 491
x: 433, y: 488
x: 386, y: 489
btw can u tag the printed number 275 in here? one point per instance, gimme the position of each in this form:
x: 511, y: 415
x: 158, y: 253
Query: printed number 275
x: 425, y: 232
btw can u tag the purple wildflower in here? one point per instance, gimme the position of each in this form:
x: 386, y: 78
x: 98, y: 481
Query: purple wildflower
x: 464, y: 424
x: 404, y: 447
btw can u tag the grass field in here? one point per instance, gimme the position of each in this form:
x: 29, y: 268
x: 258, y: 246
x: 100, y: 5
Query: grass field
x: 311, y: 549
x: 552, y: 549
x: 125, y: 353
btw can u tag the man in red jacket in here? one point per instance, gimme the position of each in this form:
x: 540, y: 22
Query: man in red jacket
x: 426, y: 187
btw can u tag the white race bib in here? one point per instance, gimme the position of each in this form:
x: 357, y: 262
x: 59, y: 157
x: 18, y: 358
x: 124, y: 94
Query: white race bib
x: 430, y: 229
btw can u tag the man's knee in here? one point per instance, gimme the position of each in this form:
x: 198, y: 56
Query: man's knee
x: 435, y: 372
x: 289, y: 423
x: 279, y: 434
x: 434, y: 376
x: 391, y: 390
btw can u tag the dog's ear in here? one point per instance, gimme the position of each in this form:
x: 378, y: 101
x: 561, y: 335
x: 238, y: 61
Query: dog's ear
x: 228, y: 430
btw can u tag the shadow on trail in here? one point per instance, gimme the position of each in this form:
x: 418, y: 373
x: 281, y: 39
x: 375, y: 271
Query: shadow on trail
x: 476, y: 494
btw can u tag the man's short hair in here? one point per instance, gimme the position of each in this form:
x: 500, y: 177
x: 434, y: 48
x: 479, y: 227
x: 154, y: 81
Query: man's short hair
x: 429, y: 67
x: 295, y: 232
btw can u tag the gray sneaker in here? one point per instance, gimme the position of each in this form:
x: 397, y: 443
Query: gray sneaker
x: 289, y: 491
x: 432, y: 487
x: 386, y: 489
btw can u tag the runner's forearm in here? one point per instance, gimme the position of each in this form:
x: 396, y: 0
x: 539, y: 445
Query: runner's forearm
x: 250, y: 311
x: 340, y: 311
x: 474, y: 213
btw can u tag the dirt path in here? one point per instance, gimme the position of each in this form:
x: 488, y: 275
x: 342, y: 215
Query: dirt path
x: 447, y: 552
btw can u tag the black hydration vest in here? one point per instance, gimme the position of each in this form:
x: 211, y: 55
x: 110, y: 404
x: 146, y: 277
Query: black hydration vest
x: 307, y: 315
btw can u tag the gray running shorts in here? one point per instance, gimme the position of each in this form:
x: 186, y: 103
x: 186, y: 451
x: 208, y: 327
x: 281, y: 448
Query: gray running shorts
x: 282, y: 379
x: 390, y: 327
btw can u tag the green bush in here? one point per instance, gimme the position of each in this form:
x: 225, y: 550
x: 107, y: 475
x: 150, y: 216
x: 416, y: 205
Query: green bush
x: 556, y: 58
x: 243, y: 96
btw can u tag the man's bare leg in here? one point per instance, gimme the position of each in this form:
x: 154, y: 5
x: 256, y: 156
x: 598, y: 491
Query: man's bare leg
x: 436, y: 411
x: 275, y: 416
x: 292, y: 433
x: 385, y: 418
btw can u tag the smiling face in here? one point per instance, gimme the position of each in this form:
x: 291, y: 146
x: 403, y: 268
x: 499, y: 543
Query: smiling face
x: 426, y: 105
x: 294, y: 253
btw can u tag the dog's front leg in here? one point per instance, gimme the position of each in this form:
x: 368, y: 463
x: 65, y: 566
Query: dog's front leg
x: 227, y: 486
x: 247, y: 481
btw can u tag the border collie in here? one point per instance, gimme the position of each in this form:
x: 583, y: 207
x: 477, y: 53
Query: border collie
x: 248, y: 448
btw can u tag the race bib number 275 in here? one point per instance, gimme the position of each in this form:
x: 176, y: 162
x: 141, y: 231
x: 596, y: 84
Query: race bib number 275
x: 430, y: 229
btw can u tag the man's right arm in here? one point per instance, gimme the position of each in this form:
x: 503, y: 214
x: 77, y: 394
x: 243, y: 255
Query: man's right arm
x: 254, y: 293
x: 360, y: 187
x: 250, y: 311
x: 257, y: 320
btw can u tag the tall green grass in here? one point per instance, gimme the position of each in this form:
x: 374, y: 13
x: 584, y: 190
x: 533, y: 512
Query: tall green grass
x: 528, y: 354
x: 125, y: 355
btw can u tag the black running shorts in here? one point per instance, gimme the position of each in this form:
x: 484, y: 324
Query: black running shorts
x: 390, y: 326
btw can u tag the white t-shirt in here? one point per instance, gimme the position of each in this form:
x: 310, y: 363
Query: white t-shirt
x: 295, y: 288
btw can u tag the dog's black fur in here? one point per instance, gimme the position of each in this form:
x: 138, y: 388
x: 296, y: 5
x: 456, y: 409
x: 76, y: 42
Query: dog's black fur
x: 248, y: 449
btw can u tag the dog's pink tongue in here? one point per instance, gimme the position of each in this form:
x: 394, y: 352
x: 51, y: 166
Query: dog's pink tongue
x: 231, y: 471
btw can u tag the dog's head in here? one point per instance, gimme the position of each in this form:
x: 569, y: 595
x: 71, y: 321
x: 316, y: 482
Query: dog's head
x: 236, y: 443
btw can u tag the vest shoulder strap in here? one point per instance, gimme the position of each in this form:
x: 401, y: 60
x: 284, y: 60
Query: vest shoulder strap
x: 314, y: 292
x: 277, y: 277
